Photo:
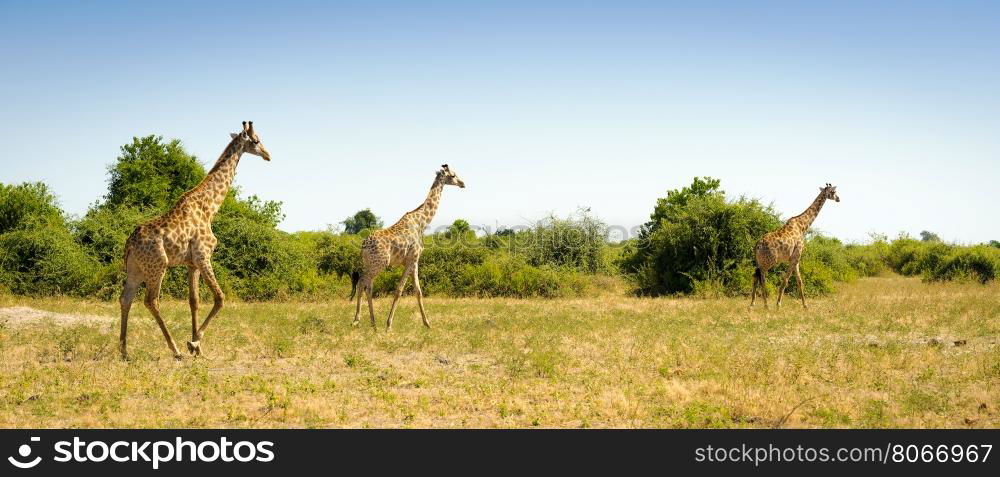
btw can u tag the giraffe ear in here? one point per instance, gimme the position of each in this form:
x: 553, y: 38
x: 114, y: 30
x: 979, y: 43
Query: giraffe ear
x: 234, y: 135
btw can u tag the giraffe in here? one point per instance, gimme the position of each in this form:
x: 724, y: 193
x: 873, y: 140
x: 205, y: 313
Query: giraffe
x: 183, y: 237
x: 401, y: 244
x: 785, y: 245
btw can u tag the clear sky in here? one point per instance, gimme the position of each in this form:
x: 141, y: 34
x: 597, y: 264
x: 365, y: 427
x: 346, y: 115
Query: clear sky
x: 539, y: 106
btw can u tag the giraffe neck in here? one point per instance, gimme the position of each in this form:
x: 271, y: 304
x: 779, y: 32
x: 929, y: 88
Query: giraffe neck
x: 427, y: 210
x: 217, y: 183
x: 805, y: 219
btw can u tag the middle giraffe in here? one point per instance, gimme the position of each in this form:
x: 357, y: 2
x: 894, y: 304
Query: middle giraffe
x: 401, y: 244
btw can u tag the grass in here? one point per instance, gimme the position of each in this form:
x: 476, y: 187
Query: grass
x: 882, y: 352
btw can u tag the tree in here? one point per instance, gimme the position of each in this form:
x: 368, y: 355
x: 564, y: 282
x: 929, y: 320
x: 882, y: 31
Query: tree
x: 669, y: 206
x: 695, y: 236
x: 928, y: 236
x: 459, y: 228
x: 362, y: 220
x: 151, y: 174
x: 38, y: 255
x: 27, y: 202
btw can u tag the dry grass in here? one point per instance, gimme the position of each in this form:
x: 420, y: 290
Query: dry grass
x: 886, y: 352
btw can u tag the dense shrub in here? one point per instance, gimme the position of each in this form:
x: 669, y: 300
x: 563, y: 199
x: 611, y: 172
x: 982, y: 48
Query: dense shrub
x: 151, y: 174
x: 45, y: 260
x: 19, y: 203
x: 506, y: 275
x: 338, y: 254
x: 103, y: 230
x: 869, y: 260
x: 444, y: 258
x: 980, y: 263
x: 577, y: 242
x: 938, y: 261
x: 38, y: 255
x: 697, y: 240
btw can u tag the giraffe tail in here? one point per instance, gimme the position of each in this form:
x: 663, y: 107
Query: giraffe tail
x: 355, y: 278
x: 758, y: 276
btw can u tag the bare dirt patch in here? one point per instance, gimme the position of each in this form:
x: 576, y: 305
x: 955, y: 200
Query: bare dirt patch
x: 24, y: 315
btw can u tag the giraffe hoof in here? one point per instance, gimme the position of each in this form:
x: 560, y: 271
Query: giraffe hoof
x: 178, y: 357
x: 354, y: 324
x: 194, y: 347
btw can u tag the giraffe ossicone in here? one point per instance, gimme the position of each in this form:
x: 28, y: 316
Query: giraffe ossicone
x: 401, y: 244
x: 786, y: 245
x: 183, y: 237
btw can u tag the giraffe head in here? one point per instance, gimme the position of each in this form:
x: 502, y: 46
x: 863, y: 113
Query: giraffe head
x: 448, y: 177
x: 251, y: 141
x: 830, y: 192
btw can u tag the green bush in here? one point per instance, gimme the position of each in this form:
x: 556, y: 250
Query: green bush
x: 34, y: 201
x: 41, y: 258
x: 869, y: 260
x: 151, y: 174
x: 697, y: 240
x: 914, y: 257
x: 338, y: 254
x: 577, y: 242
x: 258, y: 262
x: 38, y: 255
x: 939, y: 261
x: 103, y: 231
x: 979, y: 263
x: 505, y: 275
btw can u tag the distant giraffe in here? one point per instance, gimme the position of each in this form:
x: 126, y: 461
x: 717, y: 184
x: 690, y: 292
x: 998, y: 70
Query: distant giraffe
x: 183, y: 237
x: 401, y: 244
x: 786, y: 245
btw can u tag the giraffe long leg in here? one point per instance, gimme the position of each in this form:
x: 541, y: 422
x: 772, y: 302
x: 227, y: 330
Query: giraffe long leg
x: 206, y: 269
x: 399, y: 292
x: 153, y: 304
x: 132, y: 282
x: 420, y: 294
x: 371, y: 306
x: 763, y: 286
x: 753, y: 286
x: 802, y: 290
x: 363, y: 283
x: 784, y: 285
x: 193, y: 277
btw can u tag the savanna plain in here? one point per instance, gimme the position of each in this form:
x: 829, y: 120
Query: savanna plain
x: 881, y: 352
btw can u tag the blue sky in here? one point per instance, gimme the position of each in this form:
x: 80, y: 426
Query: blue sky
x: 539, y: 106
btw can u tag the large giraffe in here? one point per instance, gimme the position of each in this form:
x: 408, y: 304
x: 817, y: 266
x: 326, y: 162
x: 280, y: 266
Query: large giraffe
x: 401, y: 244
x: 183, y: 237
x: 785, y: 245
